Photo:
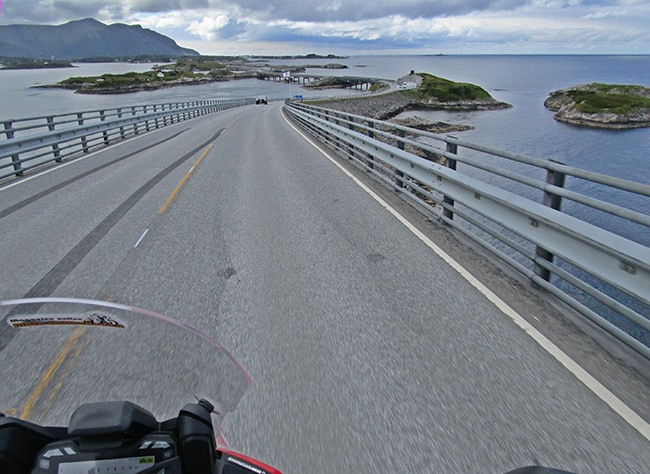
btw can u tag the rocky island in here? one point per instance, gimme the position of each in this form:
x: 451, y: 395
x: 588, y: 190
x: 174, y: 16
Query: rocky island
x: 602, y: 105
x: 420, y: 91
x: 189, y: 70
x: 131, y: 82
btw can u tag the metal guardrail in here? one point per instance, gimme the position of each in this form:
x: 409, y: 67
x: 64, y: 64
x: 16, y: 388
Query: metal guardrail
x: 603, y: 275
x: 32, y: 142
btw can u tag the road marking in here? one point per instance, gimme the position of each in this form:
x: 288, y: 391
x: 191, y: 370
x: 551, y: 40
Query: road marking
x: 51, y: 370
x: 615, y: 403
x: 185, y: 178
x: 141, y: 237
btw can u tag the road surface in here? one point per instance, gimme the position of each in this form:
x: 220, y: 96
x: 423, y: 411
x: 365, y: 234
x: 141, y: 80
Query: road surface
x: 368, y: 351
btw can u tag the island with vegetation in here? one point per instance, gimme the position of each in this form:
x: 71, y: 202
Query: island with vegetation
x: 185, y: 71
x: 442, y: 94
x: 602, y: 105
x: 130, y: 82
x: 417, y: 91
x: 26, y: 63
x: 188, y: 70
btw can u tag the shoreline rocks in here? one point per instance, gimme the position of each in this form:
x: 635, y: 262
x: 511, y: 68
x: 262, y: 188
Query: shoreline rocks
x: 380, y: 106
x: 420, y: 123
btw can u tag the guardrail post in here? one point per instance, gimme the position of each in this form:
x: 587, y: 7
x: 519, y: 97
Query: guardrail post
x: 350, y: 147
x: 119, y: 116
x: 319, y: 131
x: 177, y: 115
x: 9, y: 132
x: 84, y: 140
x: 102, y: 117
x: 451, y: 164
x: 400, y: 174
x: 135, y: 124
x: 55, y: 147
x: 337, y: 140
x: 554, y: 178
x: 371, y: 134
x: 146, y: 122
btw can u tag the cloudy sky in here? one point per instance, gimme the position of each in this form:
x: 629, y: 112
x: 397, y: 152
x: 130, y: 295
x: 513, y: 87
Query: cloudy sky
x: 368, y: 26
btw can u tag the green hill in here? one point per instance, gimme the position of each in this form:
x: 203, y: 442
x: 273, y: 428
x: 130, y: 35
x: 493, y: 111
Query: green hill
x: 86, y: 39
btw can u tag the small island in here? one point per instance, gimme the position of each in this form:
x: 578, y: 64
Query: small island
x: 22, y: 63
x: 418, y: 91
x: 131, y: 82
x: 602, y: 105
x: 434, y: 92
x: 188, y: 70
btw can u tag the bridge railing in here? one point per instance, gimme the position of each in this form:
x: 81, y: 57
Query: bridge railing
x: 543, y: 218
x: 32, y: 142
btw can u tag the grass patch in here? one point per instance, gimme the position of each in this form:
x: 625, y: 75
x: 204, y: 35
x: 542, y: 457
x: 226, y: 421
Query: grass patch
x: 608, y: 98
x: 445, y: 90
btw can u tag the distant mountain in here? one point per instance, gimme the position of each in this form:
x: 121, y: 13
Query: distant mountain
x: 86, y: 39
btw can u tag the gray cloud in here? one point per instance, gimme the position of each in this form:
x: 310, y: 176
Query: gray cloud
x: 356, y: 10
x: 294, y: 10
x: 526, y: 25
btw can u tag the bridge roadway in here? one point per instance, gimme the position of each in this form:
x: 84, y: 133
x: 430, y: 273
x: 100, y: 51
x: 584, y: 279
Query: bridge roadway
x: 368, y: 352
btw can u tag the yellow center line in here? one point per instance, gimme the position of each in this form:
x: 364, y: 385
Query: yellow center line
x: 51, y: 370
x: 54, y: 391
x: 185, y: 178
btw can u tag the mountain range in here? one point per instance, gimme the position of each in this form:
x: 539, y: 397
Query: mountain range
x: 86, y: 39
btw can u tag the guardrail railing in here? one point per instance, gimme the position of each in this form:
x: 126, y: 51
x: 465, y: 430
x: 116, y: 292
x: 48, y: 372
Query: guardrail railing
x: 536, y: 215
x: 32, y: 142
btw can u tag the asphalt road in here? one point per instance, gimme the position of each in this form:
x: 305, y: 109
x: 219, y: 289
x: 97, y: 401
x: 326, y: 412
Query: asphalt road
x: 368, y: 352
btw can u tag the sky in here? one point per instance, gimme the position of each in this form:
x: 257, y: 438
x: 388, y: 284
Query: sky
x: 358, y: 27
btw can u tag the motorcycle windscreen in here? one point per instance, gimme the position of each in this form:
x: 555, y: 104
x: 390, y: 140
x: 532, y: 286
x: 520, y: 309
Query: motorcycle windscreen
x: 56, y: 354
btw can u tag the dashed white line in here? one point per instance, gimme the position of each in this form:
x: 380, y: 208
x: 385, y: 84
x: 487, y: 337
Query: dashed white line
x: 141, y: 237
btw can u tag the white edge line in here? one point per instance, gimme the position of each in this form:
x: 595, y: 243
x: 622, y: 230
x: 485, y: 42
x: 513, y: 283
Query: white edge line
x: 615, y: 403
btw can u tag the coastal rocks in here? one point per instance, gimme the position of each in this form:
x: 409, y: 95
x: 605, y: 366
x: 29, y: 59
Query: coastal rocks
x: 423, y: 124
x: 465, y: 105
x: 602, y: 106
x: 380, y: 107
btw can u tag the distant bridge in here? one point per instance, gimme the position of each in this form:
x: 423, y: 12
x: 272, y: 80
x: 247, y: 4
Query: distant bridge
x: 349, y: 82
